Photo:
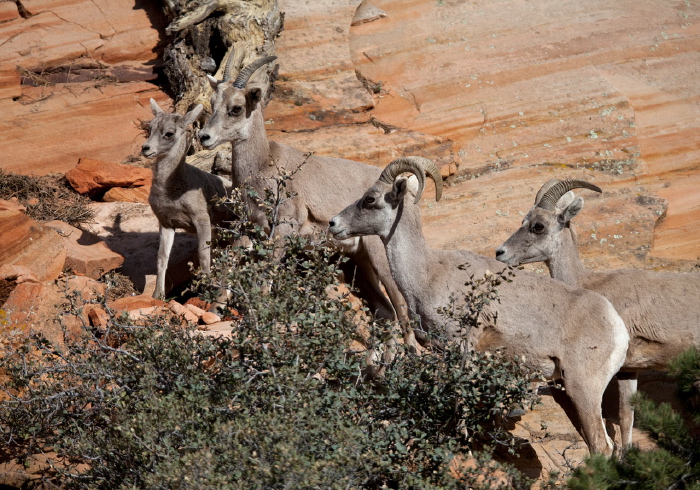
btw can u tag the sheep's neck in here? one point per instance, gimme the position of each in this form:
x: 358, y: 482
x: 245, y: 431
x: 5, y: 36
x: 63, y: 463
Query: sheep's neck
x: 250, y: 156
x: 407, y: 251
x: 169, y: 165
x: 566, y: 265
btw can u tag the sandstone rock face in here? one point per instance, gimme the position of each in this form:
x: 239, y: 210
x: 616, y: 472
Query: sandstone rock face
x: 92, y: 176
x: 28, y: 243
x: 74, y: 80
x: 528, y: 92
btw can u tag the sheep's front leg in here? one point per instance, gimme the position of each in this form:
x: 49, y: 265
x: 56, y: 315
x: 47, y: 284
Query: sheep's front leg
x: 167, y: 236
x: 203, y: 226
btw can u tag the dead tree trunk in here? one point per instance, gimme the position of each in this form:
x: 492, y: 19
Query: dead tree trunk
x: 205, y: 33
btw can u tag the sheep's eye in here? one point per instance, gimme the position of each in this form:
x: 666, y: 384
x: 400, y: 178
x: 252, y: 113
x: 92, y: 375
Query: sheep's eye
x: 235, y: 110
x: 168, y: 135
x: 369, y: 200
x: 538, y: 228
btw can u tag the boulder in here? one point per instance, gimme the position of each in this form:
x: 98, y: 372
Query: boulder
x: 86, y: 253
x: 127, y: 194
x: 30, y: 244
x: 93, y: 176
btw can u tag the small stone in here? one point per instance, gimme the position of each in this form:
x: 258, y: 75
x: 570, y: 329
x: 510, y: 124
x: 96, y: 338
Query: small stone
x: 180, y: 310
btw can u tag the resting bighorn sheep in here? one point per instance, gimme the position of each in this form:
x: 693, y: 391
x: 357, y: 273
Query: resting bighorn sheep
x: 661, y: 310
x: 566, y: 333
x: 182, y: 196
x: 321, y: 184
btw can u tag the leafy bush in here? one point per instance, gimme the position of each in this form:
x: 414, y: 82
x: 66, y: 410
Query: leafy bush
x: 676, y: 461
x: 281, y: 403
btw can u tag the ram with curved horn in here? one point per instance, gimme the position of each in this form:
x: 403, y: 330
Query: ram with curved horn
x: 661, y: 310
x: 322, y: 185
x: 567, y: 333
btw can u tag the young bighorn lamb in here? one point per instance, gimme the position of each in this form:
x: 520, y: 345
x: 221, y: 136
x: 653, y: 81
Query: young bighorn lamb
x: 182, y: 196
x: 661, y: 310
x: 567, y: 333
x: 321, y: 184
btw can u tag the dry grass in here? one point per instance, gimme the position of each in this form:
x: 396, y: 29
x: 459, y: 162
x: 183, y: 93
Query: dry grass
x: 118, y: 286
x: 46, y: 198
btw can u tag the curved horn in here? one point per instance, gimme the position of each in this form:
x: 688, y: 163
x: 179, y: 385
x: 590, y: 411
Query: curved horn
x: 547, y: 185
x: 418, y: 166
x: 245, y: 74
x: 554, y: 193
x: 227, y: 68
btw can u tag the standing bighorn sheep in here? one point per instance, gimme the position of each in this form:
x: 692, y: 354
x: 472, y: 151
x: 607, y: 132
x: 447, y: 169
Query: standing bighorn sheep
x: 566, y: 333
x: 182, y: 196
x: 320, y: 184
x: 661, y: 310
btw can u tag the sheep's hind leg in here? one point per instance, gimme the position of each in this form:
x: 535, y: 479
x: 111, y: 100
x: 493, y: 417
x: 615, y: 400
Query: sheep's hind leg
x: 588, y: 404
x: 627, y: 385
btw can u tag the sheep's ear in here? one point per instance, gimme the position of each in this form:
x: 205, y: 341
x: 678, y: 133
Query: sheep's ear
x: 192, y: 116
x: 572, y: 209
x: 253, y: 97
x: 565, y: 200
x: 399, y: 189
x: 213, y: 82
x: 155, y: 108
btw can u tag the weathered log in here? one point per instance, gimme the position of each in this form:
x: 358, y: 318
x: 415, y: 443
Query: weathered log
x: 206, y: 33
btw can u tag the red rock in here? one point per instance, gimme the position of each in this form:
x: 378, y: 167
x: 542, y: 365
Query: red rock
x: 86, y: 253
x: 19, y: 273
x: 126, y: 194
x: 85, y: 287
x: 35, y: 307
x: 198, y: 302
x: 8, y: 11
x: 87, y: 44
x: 97, y: 315
x: 30, y: 244
x: 11, y: 205
x: 92, y: 176
x: 205, y: 316
x: 145, y: 314
x: 183, y: 312
x: 134, y: 302
x: 210, y: 318
x: 116, y: 109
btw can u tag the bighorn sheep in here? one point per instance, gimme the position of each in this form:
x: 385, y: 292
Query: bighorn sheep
x: 321, y: 184
x: 567, y: 333
x: 661, y: 310
x: 182, y: 196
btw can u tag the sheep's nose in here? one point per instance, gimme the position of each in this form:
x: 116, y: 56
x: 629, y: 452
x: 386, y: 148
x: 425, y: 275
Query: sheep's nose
x: 500, y: 251
x: 145, y: 148
x: 203, y: 136
x: 331, y: 223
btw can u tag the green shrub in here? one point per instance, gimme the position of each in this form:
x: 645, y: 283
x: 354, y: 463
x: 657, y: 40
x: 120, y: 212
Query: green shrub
x: 280, y: 404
